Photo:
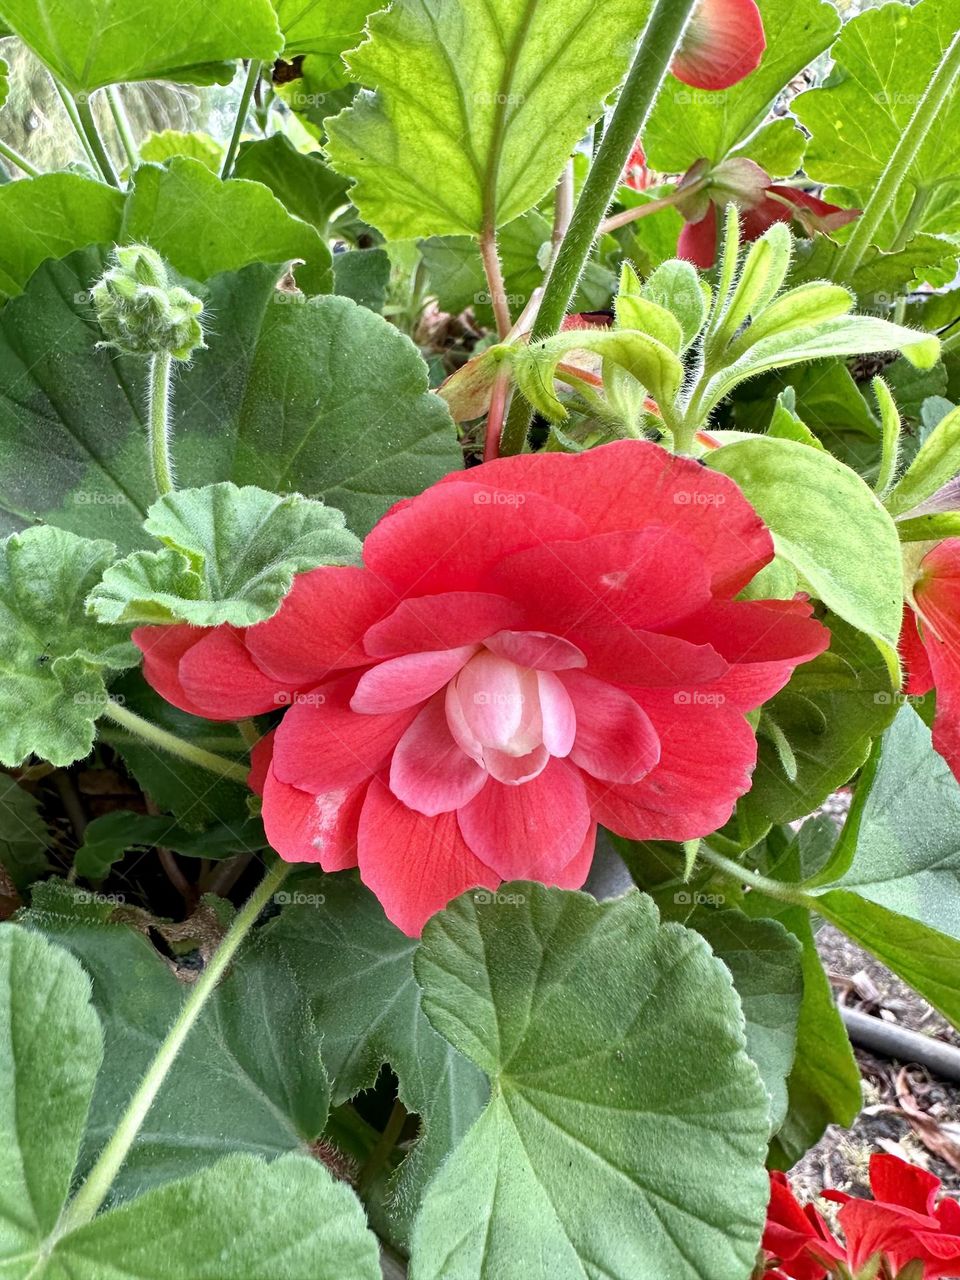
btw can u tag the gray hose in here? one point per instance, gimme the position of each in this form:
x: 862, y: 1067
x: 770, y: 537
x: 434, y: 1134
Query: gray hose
x: 893, y: 1041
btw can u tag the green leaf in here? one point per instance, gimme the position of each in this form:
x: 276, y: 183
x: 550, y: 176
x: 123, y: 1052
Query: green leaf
x: 828, y: 524
x: 48, y: 217
x: 231, y: 556
x: 160, y: 147
x: 687, y: 124
x: 103, y: 43
x: 240, y: 1219
x: 356, y: 970
x: 323, y: 398
x: 243, y: 1082
x: 829, y: 713
x: 764, y: 961
x: 883, y: 62
x: 302, y: 183
x: 53, y: 656
x: 24, y: 838
x: 676, y: 285
x: 890, y: 425
x: 905, y: 854
x: 4, y: 77
x: 364, y: 276
x: 626, y: 1128
x: 823, y: 1087
x: 317, y: 28
x: 50, y: 1049
x: 106, y: 839
x: 936, y: 462
x: 882, y: 276
x: 512, y: 89
x: 203, y: 226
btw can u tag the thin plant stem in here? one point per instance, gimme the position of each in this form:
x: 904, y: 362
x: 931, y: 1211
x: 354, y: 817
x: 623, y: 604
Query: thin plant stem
x: 499, y: 399
x: 92, y: 135
x: 96, y: 1187
x: 70, y: 107
x: 158, y: 422
x: 895, y: 171
x: 122, y: 122
x: 246, y: 97
x: 17, y: 159
x: 763, y: 884
x: 562, y: 211
x: 652, y: 206
x: 167, y: 741
x: 496, y: 286
x: 381, y: 1152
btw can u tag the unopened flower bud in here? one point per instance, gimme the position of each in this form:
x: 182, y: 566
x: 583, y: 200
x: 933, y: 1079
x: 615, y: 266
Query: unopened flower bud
x: 141, y: 312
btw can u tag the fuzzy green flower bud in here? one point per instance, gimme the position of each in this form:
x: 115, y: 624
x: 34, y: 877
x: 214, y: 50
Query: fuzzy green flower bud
x: 141, y: 312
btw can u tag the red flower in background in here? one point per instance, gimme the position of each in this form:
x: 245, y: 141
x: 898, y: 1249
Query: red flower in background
x: 903, y: 1223
x: 723, y: 42
x: 534, y: 646
x: 930, y: 643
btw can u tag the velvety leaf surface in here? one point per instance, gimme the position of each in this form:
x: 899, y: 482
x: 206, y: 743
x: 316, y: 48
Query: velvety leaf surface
x: 24, y: 838
x: 53, y: 656
x: 628, y: 1146
x: 302, y: 183
x: 356, y: 970
x: 513, y: 88
x: 105, y: 42
x: 324, y: 398
x: 230, y: 556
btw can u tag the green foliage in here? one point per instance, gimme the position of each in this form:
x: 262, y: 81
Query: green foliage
x: 24, y: 838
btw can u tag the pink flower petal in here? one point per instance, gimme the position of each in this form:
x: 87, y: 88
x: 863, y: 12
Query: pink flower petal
x: 261, y: 758
x: 937, y: 594
x: 537, y: 649
x: 162, y: 649
x: 444, y: 621
x: 414, y: 864
x: 219, y: 676
x: 531, y: 831
x: 698, y: 240
x: 918, y: 678
x: 723, y: 42
x: 320, y: 625
x: 321, y: 745
x: 515, y: 770
x: 557, y: 714
x: 407, y: 681
x: 429, y: 772
x: 500, y: 704
x: 648, y: 659
x: 615, y: 738
x: 577, y: 869
x: 312, y: 828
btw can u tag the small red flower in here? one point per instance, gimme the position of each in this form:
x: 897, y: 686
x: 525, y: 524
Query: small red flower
x: 534, y: 646
x: 796, y: 1239
x: 722, y: 44
x: 930, y: 643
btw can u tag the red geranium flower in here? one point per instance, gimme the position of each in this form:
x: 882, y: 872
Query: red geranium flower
x: 723, y: 42
x: 930, y: 643
x: 796, y: 1240
x: 534, y: 646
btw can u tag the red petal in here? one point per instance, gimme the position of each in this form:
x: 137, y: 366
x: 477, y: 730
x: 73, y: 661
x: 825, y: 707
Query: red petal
x: 531, y: 831
x: 162, y: 649
x: 698, y: 240
x: 320, y: 625
x: 261, y: 757
x: 896, y: 1181
x: 937, y: 594
x: 615, y: 738
x: 429, y: 772
x: 445, y: 539
x: 630, y: 484
x: 707, y: 753
x: 414, y: 864
x: 303, y: 827
x: 443, y: 621
x: 918, y: 676
x: 648, y: 659
x: 219, y: 676
x: 408, y: 680
x: 642, y: 578
x: 321, y: 745
x: 723, y: 42
x: 537, y: 649
x: 578, y: 868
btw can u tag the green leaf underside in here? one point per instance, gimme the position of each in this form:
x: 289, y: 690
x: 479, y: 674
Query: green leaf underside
x: 52, y: 656
x: 629, y: 1146
x: 317, y: 27
x: 356, y: 970
x: 176, y: 40
x: 324, y: 398
x: 230, y: 556
x: 513, y: 88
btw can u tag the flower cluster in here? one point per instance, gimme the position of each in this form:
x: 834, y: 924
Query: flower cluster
x: 534, y: 646
x: 901, y: 1231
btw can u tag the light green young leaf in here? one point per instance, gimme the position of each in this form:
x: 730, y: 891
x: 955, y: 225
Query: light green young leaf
x: 785, y: 423
x: 890, y: 449
x: 830, y: 526
x: 50, y: 1051
x: 687, y: 124
x: 91, y: 45
x: 936, y: 462
x: 53, y: 656
x: 676, y: 285
x: 513, y: 86
x: 230, y: 556
x: 158, y: 148
x: 763, y: 272
x: 635, y: 310
x: 609, y: 1040
x: 322, y: 28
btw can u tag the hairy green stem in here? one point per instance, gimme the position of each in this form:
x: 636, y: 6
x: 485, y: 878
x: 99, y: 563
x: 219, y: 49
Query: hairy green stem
x: 763, y: 884
x: 122, y: 122
x: 167, y: 741
x: 85, y: 1204
x: 70, y: 107
x: 250, y: 84
x: 92, y: 134
x: 158, y: 422
x: 17, y: 159
x: 652, y: 206
x: 902, y: 156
